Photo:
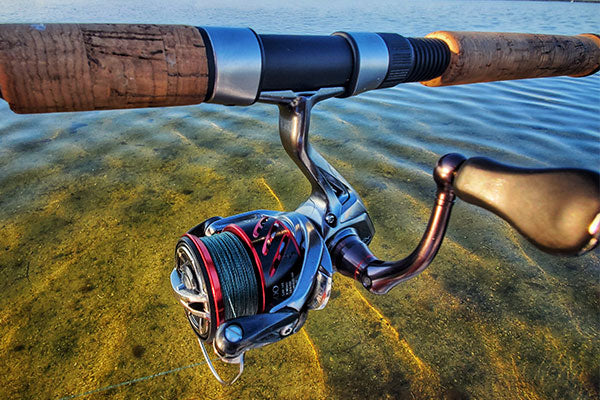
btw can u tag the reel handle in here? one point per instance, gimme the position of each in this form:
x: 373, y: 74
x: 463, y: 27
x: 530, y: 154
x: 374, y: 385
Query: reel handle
x: 557, y: 209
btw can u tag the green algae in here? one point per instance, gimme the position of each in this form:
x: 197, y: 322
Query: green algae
x: 87, y: 246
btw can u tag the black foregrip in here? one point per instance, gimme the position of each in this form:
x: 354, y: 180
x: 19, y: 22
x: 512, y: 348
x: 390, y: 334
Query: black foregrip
x: 557, y: 209
x: 300, y: 62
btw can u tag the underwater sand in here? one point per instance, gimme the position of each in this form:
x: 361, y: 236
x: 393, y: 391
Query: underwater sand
x: 92, y: 204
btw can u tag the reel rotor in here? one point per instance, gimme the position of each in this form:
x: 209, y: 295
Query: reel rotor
x: 249, y: 280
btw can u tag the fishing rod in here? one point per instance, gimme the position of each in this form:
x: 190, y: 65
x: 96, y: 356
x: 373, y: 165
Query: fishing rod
x: 79, y: 67
x: 250, y: 279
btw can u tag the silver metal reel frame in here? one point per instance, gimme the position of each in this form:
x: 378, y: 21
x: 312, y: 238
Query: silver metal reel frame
x: 333, y: 204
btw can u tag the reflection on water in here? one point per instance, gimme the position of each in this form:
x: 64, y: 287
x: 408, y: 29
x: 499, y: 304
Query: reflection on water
x: 91, y: 205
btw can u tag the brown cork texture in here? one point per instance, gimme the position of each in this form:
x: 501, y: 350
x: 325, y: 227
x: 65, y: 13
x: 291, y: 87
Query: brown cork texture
x: 80, y: 67
x: 488, y: 56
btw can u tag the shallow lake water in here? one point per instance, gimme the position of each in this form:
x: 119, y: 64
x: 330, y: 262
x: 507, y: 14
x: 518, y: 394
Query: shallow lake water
x: 92, y: 204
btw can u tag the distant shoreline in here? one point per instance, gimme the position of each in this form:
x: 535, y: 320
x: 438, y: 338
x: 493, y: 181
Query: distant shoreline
x: 566, y: 1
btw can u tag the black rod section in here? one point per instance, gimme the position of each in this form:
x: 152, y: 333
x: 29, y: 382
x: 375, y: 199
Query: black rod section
x: 414, y: 59
x: 302, y: 63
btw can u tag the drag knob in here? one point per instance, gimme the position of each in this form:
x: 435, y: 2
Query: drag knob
x: 558, y: 210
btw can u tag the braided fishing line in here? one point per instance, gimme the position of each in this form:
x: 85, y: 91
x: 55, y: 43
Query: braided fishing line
x: 236, y: 274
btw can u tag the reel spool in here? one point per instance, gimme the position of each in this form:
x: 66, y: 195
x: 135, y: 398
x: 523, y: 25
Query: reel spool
x: 220, y: 270
x: 244, y: 269
x: 236, y: 278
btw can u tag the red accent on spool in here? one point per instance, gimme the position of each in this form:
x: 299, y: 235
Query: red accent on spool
x: 259, y: 225
x: 270, y: 236
x: 269, y: 239
x: 239, y: 232
x: 215, y: 285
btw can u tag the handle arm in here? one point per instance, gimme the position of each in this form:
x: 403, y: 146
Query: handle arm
x: 352, y: 257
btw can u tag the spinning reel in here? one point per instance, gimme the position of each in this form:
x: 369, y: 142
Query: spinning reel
x: 249, y: 280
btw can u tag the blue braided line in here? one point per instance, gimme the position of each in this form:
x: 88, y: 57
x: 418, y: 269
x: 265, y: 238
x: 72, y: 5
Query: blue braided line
x: 131, y: 382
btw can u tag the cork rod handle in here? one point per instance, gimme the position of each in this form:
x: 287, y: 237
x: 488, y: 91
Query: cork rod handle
x: 488, y: 56
x: 72, y: 67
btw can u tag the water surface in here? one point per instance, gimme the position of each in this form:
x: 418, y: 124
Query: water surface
x: 91, y: 205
